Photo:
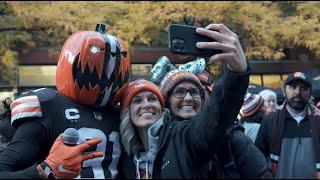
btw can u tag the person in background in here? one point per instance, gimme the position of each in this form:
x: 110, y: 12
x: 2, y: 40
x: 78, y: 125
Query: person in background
x: 290, y: 137
x: 6, y: 130
x: 251, y: 114
x: 270, y: 101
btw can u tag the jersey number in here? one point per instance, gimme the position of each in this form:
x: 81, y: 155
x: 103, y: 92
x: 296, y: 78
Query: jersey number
x: 96, y: 163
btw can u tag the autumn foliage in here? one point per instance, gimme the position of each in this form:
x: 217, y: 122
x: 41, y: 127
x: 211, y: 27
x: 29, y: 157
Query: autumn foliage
x: 265, y: 29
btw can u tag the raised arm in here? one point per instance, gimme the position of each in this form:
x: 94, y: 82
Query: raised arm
x: 209, y: 125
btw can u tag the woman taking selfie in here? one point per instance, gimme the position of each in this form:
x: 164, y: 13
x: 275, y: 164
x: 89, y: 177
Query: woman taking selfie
x: 161, y: 145
x: 237, y: 157
x: 158, y: 146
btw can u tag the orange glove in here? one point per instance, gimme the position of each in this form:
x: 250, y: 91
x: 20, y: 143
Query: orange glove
x: 65, y: 161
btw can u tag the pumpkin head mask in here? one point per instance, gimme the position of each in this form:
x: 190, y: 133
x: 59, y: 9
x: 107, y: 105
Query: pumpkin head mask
x: 93, y: 68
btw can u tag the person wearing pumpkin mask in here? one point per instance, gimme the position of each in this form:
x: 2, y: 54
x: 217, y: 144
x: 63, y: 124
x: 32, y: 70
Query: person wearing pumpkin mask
x: 92, y: 72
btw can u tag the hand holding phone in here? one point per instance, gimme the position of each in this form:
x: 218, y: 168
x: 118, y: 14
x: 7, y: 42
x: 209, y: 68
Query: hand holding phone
x: 215, y: 41
x: 183, y: 39
x: 228, y: 42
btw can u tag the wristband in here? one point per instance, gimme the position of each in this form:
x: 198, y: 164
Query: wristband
x: 45, y: 171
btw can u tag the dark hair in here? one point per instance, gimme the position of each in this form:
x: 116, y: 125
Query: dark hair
x: 6, y: 130
x: 6, y: 107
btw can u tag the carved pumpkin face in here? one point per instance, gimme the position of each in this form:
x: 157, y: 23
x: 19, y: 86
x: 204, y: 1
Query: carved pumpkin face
x: 93, y: 68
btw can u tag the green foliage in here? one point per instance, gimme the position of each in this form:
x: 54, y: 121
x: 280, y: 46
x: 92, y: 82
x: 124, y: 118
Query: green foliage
x: 265, y: 28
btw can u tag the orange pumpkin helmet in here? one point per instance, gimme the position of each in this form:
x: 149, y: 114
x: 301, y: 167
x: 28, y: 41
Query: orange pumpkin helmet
x: 93, y: 68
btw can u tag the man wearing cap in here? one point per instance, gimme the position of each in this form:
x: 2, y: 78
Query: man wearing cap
x: 290, y: 137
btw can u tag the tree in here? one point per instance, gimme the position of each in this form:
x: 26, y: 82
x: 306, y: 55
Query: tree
x: 265, y: 29
x: 13, y: 37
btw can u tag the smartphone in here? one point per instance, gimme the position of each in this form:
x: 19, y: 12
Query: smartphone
x: 183, y: 39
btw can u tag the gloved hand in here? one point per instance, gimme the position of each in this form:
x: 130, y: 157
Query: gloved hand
x: 65, y: 161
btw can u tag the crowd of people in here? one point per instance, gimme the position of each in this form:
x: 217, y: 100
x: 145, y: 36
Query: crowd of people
x: 178, y: 124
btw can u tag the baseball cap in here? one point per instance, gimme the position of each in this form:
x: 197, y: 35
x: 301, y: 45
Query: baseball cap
x: 299, y: 76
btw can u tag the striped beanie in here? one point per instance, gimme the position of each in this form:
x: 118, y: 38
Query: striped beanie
x: 136, y: 87
x: 252, y: 103
x: 174, y: 77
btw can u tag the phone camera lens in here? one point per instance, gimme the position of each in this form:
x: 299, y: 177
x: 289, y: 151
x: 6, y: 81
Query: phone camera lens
x: 178, y: 44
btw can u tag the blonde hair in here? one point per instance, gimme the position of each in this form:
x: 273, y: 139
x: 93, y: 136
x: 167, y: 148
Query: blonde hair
x: 129, y: 138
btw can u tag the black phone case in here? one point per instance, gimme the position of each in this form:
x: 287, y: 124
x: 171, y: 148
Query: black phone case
x: 183, y: 39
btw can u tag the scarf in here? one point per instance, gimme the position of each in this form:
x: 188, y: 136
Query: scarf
x: 144, y: 160
x: 276, y: 136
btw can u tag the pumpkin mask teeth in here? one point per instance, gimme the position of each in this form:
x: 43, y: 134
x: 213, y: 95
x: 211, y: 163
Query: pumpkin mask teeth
x: 93, y: 68
x: 87, y: 77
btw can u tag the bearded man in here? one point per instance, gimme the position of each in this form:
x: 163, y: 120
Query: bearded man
x: 290, y: 137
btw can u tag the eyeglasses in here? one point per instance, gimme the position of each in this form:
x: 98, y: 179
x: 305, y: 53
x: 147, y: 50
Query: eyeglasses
x: 182, y: 92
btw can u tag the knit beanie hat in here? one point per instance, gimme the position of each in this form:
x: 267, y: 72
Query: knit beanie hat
x: 252, y: 103
x: 174, y: 77
x: 137, y: 86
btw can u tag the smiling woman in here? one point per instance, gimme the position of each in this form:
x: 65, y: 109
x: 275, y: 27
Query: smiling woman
x: 183, y: 93
x: 141, y: 107
x: 185, y: 100
x: 145, y: 109
x: 156, y: 144
x: 160, y: 146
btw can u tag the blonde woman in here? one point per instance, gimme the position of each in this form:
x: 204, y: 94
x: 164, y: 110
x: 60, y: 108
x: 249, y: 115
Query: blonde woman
x: 159, y: 146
